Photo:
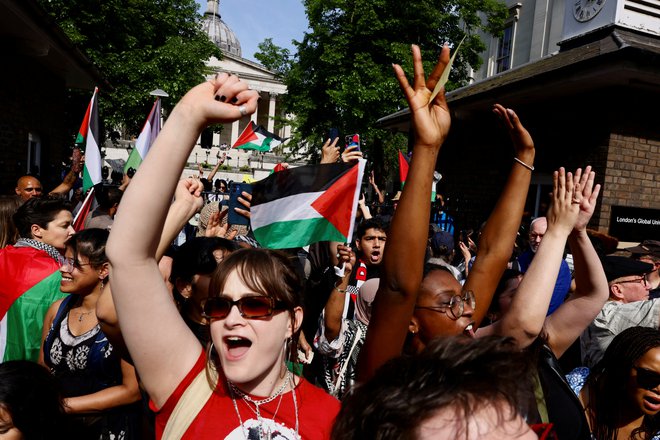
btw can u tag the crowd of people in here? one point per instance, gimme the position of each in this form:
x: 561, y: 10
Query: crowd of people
x: 177, y: 324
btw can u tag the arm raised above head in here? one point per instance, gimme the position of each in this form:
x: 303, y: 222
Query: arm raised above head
x: 527, y: 314
x: 403, y: 260
x: 499, y: 233
x: 568, y: 322
x: 161, y: 345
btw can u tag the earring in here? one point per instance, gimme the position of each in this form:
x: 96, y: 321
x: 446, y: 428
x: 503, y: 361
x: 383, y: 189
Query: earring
x: 287, y: 347
x: 102, y: 284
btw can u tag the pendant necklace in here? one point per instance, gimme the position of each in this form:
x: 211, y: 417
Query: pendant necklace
x: 265, y: 432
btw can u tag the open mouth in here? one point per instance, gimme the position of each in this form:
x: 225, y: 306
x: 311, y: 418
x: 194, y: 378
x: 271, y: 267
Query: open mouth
x: 375, y: 256
x: 651, y: 403
x: 236, y: 347
x: 469, y: 330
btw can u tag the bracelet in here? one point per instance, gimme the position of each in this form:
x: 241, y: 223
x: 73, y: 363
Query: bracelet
x: 339, y: 290
x: 529, y: 167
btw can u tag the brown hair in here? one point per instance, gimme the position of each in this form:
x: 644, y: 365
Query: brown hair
x: 265, y: 271
x: 8, y: 232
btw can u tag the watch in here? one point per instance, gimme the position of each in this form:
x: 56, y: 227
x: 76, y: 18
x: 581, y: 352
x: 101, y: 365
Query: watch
x: 585, y: 10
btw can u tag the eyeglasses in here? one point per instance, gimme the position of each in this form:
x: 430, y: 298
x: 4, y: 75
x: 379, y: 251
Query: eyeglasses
x: 249, y: 306
x: 647, y: 379
x: 456, y: 304
x: 68, y: 264
x: 636, y: 280
x: 533, y: 237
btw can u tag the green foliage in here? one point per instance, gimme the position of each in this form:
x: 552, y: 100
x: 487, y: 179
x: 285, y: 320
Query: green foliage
x: 273, y: 57
x: 245, y: 168
x: 139, y: 45
x: 342, y: 77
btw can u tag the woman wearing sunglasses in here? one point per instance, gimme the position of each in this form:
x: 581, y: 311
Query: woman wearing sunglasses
x: 238, y: 387
x: 621, y: 396
x: 100, y: 389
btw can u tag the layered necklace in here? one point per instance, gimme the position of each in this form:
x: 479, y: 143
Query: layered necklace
x: 264, y: 430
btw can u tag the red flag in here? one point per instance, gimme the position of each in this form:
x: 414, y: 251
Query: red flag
x: 403, y: 168
x: 83, y: 212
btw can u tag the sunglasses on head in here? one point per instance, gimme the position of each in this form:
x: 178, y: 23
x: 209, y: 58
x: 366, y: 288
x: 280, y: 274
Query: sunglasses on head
x: 249, y: 306
x: 647, y: 379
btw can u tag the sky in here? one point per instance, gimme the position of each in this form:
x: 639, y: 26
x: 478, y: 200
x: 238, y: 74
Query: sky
x: 255, y: 20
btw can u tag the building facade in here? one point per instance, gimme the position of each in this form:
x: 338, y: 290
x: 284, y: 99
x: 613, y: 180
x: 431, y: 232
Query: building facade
x: 584, y: 77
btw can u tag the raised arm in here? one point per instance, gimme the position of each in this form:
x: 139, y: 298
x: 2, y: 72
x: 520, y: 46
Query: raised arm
x: 187, y: 201
x: 403, y: 261
x: 499, y: 234
x: 379, y: 194
x: 160, y: 343
x: 568, y: 322
x: 330, y: 151
x: 525, y: 318
x: 70, y: 178
x: 221, y: 160
x: 334, y: 307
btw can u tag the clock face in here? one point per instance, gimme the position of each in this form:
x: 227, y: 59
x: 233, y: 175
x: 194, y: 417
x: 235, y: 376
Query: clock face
x: 585, y: 10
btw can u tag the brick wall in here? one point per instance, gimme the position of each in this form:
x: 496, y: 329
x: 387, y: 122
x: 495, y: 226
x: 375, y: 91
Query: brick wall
x: 631, y: 175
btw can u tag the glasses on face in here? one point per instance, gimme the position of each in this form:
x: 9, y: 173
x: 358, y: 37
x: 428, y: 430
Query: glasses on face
x: 647, y: 379
x: 533, y: 237
x: 68, y: 264
x: 456, y: 305
x: 636, y: 280
x: 249, y: 307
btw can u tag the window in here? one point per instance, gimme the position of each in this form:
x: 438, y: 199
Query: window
x: 504, y: 50
x: 34, y: 154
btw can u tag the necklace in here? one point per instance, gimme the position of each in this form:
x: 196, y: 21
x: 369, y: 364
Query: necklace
x: 265, y: 432
x: 82, y: 315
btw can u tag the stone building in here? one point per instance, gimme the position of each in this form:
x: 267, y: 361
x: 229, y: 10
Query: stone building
x: 584, y: 76
x: 259, y: 78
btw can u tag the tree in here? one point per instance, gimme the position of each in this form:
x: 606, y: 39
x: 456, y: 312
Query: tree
x: 139, y: 45
x: 341, y: 75
x: 273, y: 57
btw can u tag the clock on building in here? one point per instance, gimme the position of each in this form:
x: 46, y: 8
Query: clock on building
x: 585, y: 10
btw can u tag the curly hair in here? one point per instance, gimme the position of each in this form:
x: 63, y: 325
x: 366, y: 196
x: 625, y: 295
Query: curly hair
x: 455, y: 372
x: 608, y: 381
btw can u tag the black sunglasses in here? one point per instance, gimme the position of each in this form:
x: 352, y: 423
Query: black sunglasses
x: 218, y: 307
x: 647, y: 379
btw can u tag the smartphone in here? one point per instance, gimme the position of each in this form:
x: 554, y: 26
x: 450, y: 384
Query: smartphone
x: 233, y: 217
x: 333, y: 134
x: 353, y: 140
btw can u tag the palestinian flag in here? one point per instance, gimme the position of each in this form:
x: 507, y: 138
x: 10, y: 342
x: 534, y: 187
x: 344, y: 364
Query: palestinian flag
x: 87, y: 140
x: 83, y: 212
x: 255, y: 137
x: 300, y: 206
x: 30, y: 284
x: 146, y: 139
x: 403, y: 168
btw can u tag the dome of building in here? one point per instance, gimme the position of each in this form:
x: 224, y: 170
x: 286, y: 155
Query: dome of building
x: 218, y: 31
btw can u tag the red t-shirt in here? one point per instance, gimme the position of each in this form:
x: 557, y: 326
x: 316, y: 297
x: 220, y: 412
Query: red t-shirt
x: 218, y: 419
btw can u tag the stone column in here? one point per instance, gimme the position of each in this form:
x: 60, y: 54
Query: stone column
x: 234, y: 132
x: 254, y: 115
x: 271, y: 112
